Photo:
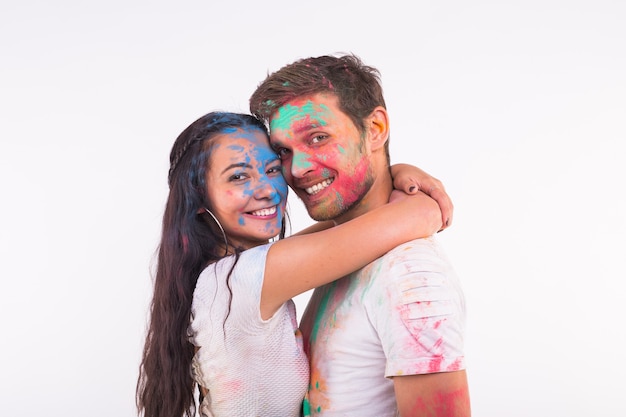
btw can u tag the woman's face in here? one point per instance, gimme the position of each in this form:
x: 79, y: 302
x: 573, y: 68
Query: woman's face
x: 246, y: 187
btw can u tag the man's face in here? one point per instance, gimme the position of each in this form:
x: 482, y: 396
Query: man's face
x: 325, y: 157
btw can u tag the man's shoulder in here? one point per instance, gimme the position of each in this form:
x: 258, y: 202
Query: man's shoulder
x: 415, y: 250
x: 419, y: 255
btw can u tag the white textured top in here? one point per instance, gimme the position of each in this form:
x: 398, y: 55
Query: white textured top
x: 251, y: 367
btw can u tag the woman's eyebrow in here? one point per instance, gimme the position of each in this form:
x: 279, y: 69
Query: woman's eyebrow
x: 237, y: 165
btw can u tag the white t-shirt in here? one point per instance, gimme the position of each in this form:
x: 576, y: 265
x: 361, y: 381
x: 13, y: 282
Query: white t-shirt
x: 403, y: 314
x: 251, y: 367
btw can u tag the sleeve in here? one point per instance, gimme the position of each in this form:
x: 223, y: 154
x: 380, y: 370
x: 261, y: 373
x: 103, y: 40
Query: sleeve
x: 421, y: 324
x: 228, y: 290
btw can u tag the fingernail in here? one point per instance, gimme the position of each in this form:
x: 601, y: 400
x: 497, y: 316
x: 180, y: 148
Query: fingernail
x: 411, y: 188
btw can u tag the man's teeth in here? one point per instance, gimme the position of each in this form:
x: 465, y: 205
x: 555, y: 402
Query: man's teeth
x: 318, y: 187
x: 265, y: 211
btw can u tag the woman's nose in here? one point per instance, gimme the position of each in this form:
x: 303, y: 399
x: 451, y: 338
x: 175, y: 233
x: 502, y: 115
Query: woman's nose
x: 265, y: 189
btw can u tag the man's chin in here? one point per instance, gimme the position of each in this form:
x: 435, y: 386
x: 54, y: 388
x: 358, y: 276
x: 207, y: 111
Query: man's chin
x: 321, y: 212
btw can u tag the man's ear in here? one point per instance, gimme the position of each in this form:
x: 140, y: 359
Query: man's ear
x: 378, y: 128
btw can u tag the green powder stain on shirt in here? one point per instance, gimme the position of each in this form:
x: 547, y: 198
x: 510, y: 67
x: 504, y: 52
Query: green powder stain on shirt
x: 320, y: 311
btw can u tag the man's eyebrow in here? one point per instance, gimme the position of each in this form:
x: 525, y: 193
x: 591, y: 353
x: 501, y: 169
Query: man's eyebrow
x: 306, y: 127
x: 275, y: 144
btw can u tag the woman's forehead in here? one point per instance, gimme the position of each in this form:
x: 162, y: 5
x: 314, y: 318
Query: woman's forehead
x: 251, y: 144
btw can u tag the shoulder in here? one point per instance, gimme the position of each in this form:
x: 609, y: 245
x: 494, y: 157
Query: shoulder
x: 418, y: 276
x: 248, y: 268
x: 406, y: 260
x: 229, y: 288
x: 424, y: 251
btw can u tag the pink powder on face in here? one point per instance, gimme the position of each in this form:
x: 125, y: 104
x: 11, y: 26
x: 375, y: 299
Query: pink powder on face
x: 352, y: 181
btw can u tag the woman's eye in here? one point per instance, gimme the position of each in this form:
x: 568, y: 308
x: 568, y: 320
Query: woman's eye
x: 237, y: 177
x: 275, y: 170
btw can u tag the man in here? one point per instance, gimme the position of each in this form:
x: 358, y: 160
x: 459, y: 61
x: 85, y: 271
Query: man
x: 386, y: 340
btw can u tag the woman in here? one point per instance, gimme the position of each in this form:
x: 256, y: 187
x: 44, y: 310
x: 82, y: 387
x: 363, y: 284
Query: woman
x: 222, y: 303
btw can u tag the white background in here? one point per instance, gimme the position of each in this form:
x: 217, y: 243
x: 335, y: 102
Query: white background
x: 519, y: 107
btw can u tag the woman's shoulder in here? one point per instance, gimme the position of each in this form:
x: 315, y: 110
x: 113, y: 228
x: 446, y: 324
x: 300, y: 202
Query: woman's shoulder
x: 250, y: 262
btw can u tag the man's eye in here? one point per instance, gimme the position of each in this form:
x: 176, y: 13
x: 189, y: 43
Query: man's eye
x: 318, y: 138
x: 282, y: 152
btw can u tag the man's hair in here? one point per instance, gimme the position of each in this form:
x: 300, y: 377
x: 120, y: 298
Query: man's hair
x: 356, y: 85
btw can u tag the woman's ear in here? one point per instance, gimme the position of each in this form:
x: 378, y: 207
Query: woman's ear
x: 378, y: 128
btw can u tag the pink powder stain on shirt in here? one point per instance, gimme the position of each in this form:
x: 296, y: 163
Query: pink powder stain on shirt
x: 233, y: 386
x: 425, y: 342
x: 456, y: 365
x: 435, y: 364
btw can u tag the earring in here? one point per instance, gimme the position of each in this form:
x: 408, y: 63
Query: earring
x: 221, y: 229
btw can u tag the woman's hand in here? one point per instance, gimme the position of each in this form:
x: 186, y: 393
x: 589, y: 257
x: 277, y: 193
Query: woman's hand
x: 411, y: 179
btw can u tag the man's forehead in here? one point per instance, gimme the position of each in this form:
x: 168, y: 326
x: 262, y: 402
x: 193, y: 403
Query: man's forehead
x: 300, y: 116
x: 312, y: 102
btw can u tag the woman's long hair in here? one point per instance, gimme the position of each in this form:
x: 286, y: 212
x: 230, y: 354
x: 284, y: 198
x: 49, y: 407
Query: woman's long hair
x: 189, y: 242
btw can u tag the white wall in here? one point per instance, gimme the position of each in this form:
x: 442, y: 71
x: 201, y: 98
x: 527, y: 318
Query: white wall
x: 519, y: 107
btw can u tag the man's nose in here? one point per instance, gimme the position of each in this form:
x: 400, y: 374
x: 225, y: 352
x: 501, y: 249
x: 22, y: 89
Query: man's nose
x: 301, y: 164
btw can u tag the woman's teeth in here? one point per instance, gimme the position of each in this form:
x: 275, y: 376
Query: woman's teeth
x: 264, y: 212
